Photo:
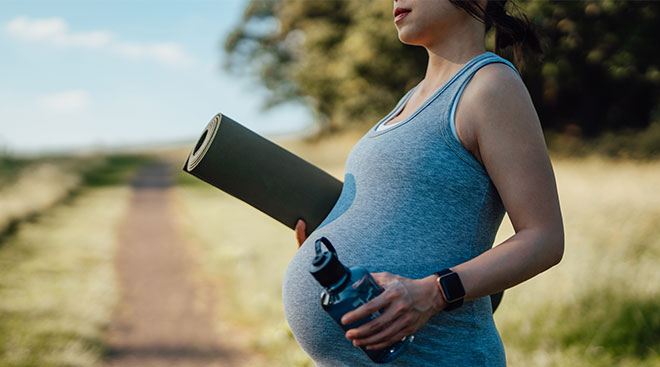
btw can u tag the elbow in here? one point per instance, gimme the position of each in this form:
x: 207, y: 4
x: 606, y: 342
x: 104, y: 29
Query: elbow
x: 556, y: 247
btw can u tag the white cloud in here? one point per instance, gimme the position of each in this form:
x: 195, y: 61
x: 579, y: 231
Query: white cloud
x: 67, y: 101
x: 56, y: 31
x: 38, y: 29
x: 171, y: 54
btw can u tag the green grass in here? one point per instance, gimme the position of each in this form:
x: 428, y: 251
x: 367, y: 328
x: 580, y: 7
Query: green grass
x: 115, y: 170
x: 57, y: 283
x: 32, y: 186
x: 245, y: 252
x: 601, y: 305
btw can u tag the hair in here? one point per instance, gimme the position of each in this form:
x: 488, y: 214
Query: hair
x: 510, y: 31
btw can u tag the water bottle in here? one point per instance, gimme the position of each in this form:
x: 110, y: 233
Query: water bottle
x: 347, y: 289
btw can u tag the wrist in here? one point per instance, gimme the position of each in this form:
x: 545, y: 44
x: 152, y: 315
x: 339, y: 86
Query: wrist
x: 434, y: 293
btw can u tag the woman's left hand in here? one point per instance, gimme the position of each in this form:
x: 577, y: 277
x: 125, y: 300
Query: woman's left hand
x: 406, y: 303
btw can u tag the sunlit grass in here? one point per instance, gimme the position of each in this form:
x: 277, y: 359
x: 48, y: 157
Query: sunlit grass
x: 599, y: 307
x: 28, y: 187
x: 57, y: 284
x: 35, y: 188
x: 248, y: 252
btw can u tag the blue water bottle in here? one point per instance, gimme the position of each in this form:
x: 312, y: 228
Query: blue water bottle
x: 347, y: 289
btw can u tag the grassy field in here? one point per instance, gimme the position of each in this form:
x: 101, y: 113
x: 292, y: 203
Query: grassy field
x: 30, y: 186
x: 599, y: 307
x: 57, y: 285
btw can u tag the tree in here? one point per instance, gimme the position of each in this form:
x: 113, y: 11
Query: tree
x: 600, y: 71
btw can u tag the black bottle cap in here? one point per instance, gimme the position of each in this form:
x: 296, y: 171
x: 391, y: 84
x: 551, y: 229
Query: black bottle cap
x: 326, y: 267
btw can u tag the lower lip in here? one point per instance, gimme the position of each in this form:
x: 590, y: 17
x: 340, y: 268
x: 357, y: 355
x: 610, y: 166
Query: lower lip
x: 400, y: 16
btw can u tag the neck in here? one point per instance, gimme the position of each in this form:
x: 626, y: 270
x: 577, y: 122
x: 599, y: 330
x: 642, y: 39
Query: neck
x: 448, y: 54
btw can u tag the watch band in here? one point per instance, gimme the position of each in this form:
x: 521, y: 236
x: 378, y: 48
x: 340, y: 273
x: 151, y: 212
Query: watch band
x: 451, y: 289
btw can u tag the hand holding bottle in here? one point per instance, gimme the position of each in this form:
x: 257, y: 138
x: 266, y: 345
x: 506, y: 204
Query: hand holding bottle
x: 407, y: 303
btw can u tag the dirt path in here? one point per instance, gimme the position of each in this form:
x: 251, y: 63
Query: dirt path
x: 164, y: 317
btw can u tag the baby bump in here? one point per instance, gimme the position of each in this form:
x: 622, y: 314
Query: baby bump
x: 313, y: 329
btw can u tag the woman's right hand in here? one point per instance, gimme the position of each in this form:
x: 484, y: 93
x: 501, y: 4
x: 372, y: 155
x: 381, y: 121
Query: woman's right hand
x: 300, y: 232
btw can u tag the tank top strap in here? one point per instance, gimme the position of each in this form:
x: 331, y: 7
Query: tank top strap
x: 448, y: 125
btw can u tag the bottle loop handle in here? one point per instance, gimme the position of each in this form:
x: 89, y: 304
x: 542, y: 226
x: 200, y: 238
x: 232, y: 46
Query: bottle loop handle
x: 328, y: 245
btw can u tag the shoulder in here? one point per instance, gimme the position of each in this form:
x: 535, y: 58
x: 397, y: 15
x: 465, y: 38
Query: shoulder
x: 495, y: 110
x: 495, y: 84
x: 496, y: 95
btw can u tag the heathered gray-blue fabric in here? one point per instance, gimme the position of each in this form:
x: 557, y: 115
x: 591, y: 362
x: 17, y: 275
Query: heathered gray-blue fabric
x: 414, y: 202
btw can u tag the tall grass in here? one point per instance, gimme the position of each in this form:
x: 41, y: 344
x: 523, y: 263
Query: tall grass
x: 28, y: 187
x: 599, y: 307
x: 247, y: 252
x: 57, y: 285
x: 35, y: 188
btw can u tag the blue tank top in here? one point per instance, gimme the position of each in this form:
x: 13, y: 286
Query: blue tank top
x: 414, y: 202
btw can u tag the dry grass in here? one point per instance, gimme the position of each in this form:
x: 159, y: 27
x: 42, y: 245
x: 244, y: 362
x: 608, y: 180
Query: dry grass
x: 35, y: 188
x: 57, y: 283
x: 599, y: 307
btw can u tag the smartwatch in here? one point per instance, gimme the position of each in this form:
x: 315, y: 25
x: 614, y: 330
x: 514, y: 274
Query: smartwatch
x: 451, y: 289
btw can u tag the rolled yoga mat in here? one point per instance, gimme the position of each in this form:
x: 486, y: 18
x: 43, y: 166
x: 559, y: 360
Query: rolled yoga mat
x: 251, y: 168
x: 245, y: 165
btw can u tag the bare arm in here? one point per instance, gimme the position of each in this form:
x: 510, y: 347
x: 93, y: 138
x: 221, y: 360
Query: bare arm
x: 510, y: 144
x: 497, y: 122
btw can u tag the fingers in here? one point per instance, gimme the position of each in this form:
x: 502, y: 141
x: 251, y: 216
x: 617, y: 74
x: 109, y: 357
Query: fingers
x: 372, y: 327
x: 382, y: 278
x: 366, y: 309
x: 382, y: 300
x: 300, y: 232
x: 391, y: 334
x: 398, y: 320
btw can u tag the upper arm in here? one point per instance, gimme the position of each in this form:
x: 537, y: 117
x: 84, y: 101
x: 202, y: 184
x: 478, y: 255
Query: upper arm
x: 498, y: 116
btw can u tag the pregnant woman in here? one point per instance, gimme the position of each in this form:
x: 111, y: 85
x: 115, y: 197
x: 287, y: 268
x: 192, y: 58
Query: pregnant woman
x: 424, y: 193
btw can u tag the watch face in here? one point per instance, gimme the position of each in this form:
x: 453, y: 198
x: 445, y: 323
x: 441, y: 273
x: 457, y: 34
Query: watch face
x: 452, y: 287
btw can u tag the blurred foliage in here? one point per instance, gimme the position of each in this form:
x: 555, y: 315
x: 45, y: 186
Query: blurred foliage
x: 600, y: 72
x: 626, y: 143
x: 627, y: 326
x: 30, y: 186
x: 332, y: 54
x: 116, y: 170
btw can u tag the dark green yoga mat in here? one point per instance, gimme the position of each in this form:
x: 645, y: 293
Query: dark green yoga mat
x: 249, y: 167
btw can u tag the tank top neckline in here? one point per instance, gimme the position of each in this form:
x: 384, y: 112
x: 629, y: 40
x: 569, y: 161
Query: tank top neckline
x: 374, y: 130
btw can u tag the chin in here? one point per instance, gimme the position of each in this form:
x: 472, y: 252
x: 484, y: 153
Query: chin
x: 408, y: 38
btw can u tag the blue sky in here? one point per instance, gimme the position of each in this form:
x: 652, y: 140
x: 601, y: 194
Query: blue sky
x: 95, y: 74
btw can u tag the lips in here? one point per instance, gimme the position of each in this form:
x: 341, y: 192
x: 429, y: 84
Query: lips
x: 400, y: 13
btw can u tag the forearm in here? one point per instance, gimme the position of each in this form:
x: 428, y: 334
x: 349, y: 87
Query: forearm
x: 522, y: 256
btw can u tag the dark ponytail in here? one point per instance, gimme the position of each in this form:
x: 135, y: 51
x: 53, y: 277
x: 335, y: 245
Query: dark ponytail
x: 516, y: 32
